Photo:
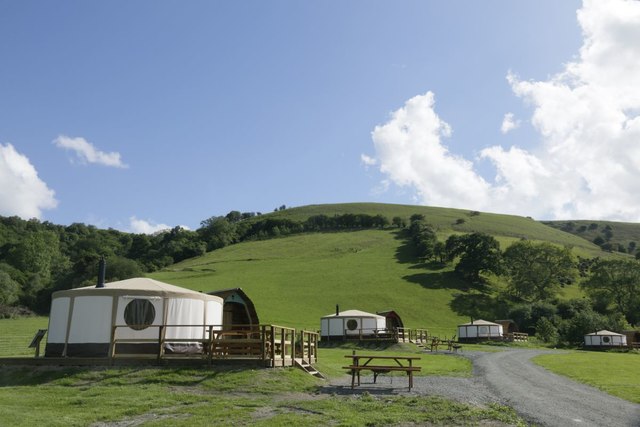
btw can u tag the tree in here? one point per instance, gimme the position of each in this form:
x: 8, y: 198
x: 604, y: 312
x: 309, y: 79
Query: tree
x: 424, y: 238
x: 478, y: 252
x: 616, y: 282
x: 537, y: 271
x: 9, y: 289
x: 398, y: 222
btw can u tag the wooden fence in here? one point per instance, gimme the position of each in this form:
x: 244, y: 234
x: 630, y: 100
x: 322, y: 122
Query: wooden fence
x: 270, y: 345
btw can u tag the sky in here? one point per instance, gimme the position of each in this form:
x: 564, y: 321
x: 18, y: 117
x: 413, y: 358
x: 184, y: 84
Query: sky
x: 145, y: 115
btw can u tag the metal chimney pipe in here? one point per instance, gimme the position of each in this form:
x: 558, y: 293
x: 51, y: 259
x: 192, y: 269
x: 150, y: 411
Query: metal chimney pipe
x: 337, y: 310
x: 102, y: 269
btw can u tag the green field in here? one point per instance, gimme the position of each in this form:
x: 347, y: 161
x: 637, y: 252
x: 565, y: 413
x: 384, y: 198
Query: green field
x: 614, y: 373
x: 295, y: 280
x: 230, y: 396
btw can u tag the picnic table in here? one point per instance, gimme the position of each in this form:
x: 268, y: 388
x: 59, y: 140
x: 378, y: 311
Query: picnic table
x: 381, y: 365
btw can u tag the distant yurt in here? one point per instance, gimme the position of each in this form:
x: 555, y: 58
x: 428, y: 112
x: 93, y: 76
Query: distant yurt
x: 478, y: 330
x: 83, y: 320
x: 604, y: 338
x: 351, y: 324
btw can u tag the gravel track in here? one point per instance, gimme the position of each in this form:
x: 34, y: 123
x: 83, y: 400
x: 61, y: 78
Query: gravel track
x: 510, y: 378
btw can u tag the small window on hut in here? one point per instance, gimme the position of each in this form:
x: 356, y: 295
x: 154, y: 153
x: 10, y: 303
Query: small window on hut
x: 139, y: 314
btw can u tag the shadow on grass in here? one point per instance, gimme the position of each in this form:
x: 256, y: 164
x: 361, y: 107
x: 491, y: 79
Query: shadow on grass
x: 474, y: 305
x: 438, y: 280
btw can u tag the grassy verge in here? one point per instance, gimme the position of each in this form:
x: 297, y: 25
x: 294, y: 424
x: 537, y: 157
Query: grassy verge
x: 615, y: 373
x: 228, y: 396
x: 16, y: 334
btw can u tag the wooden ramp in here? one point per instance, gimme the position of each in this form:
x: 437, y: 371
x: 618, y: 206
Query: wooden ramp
x: 308, y: 368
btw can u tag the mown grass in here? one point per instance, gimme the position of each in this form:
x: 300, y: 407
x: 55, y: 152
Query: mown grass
x: 615, y: 373
x: 16, y: 335
x: 220, y: 395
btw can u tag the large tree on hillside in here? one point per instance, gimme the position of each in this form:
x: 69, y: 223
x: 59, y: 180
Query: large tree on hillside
x: 537, y: 271
x: 477, y: 252
x: 616, y: 282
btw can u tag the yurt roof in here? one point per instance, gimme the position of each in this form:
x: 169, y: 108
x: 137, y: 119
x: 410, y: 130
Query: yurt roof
x: 139, y: 286
x: 480, y: 322
x: 353, y: 313
x: 605, y: 332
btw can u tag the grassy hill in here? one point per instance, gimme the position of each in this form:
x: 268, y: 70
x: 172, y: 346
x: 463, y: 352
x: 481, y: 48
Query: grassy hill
x: 297, y: 279
x: 619, y: 236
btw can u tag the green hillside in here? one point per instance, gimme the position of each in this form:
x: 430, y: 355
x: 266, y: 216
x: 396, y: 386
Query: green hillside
x: 613, y: 236
x: 297, y: 279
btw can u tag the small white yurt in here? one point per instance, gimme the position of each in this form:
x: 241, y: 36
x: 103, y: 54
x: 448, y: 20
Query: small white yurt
x: 83, y: 321
x: 351, y: 323
x: 478, y: 330
x: 605, y: 338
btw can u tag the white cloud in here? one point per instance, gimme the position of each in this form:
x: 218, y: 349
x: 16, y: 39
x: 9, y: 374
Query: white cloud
x: 508, y: 123
x: 88, y: 153
x: 367, y: 160
x: 588, y: 115
x: 410, y: 151
x: 22, y: 192
x: 140, y: 226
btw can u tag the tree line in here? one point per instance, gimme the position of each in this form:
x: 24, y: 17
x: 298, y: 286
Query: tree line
x: 38, y: 258
x: 529, y: 279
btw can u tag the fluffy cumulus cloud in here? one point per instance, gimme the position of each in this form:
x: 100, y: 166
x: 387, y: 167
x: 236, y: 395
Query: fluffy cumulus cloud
x: 140, y: 226
x: 588, y: 116
x: 22, y: 192
x: 508, y: 123
x: 88, y: 153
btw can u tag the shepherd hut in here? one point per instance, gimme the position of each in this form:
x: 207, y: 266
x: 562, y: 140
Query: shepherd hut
x: 86, y: 322
x: 351, y: 324
x: 479, y: 330
x: 604, y: 338
x: 238, y: 311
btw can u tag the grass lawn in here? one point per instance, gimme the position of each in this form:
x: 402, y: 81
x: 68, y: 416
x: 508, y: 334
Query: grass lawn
x: 16, y: 335
x: 615, y: 373
x: 222, y: 395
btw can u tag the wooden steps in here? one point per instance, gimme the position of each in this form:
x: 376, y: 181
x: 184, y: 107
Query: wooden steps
x: 308, y: 368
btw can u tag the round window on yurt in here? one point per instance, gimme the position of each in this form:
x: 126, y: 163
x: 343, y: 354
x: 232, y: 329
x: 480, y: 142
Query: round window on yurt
x: 606, y: 340
x: 139, y: 314
x: 352, y: 324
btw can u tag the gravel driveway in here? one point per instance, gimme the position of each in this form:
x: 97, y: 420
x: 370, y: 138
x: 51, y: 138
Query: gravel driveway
x: 510, y: 378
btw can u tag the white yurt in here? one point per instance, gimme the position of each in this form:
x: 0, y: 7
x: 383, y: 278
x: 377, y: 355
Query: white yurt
x: 605, y: 338
x: 354, y: 323
x: 82, y: 320
x: 478, y: 330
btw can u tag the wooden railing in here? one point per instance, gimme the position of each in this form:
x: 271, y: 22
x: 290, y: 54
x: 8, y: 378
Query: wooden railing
x: 274, y: 345
x: 308, y: 346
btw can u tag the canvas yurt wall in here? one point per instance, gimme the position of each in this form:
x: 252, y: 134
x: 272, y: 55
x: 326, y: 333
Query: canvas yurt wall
x: 351, y: 323
x: 605, y: 339
x: 479, y: 330
x: 82, y: 320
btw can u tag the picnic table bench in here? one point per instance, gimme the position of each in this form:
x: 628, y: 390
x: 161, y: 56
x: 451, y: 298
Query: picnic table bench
x: 376, y: 364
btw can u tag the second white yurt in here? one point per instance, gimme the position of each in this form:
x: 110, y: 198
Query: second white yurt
x: 479, y: 330
x: 351, y: 324
x: 605, y: 338
x: 85, y: 322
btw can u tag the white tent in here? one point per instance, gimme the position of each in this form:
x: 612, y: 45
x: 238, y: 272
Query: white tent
x: 477, y: 330
x: 352, y: 323
x: 83, y: 321
x: 605, y: 338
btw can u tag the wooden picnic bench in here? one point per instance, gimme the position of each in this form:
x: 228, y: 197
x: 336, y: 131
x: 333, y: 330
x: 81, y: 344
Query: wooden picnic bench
x: 375, y: 364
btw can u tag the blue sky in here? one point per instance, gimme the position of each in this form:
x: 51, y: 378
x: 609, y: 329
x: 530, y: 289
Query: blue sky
x: 138, y: 115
